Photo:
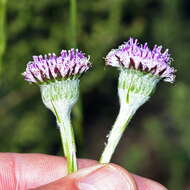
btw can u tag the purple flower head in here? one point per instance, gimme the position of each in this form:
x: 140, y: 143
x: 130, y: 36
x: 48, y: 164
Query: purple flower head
x: 132, y: 55
x: 69, y: 64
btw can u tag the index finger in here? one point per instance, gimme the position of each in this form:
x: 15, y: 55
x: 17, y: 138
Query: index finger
x: 27, y: 171
x: 33, y: 170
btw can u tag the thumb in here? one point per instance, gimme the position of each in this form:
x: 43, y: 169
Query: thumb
x: 98, y: 177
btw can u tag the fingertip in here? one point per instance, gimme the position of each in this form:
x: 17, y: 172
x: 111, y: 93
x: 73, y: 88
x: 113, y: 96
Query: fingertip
x: 68, y: 182
x: 148, y: 184
x: 97, y: 177
x: 108, y: 176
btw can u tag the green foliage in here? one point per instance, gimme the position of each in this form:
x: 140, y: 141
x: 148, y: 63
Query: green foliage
x: 159, y: 135
x: 2, y: 30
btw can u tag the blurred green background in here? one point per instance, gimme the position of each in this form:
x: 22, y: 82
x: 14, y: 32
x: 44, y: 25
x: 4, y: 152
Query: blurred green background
x: 157, y: 142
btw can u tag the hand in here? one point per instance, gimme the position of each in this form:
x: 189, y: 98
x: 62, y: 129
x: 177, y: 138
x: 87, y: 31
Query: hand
x: 44, y: 172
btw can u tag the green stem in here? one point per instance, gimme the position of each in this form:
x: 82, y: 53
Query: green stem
x: 73, y: 23
x: 68, y: 141
x: 123, y: 118
x: 59, y: 97
x: 67, y: 136
x: 134, y: 89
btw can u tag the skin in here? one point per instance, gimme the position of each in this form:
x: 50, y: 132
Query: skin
x: 45, y: 172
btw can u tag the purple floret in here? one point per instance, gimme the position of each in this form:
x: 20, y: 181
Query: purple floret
x: 71, y: 63
x: 132, y: 55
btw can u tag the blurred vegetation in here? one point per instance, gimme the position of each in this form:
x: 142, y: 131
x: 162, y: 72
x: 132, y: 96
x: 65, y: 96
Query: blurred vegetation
x: 157, y: 144
x: 2, y: 29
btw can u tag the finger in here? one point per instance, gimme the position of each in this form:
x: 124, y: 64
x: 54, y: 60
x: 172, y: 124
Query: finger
x: 98, y: 177
x: 147, y: 184
x: 32, y: 170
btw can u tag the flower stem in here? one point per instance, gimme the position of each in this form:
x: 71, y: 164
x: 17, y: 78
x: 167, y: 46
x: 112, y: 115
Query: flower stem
x: 68, y: 140
x: 59, y: 97
x: 67, y: 136
x: 123, y: 118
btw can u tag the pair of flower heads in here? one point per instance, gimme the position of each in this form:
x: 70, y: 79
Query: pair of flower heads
x: 141, y: 68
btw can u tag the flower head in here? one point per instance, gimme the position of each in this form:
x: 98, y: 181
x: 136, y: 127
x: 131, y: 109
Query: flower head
x: 69, y: 64
x: 132, y: 55
x: 140, y: 70
x: 58, y: 79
